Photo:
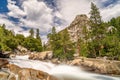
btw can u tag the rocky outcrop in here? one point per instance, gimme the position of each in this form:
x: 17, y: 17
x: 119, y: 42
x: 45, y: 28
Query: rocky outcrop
x: 41, y: 55
x: 98, y: 65
x: 17, y: 73
x: 22, y: 49
x: 76, y: 27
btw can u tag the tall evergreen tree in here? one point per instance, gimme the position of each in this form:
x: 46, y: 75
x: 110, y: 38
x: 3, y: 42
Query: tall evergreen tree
x: 31, y: 32
x: 37, y: 34
x: 60, y: 44
x: 97, y: 31
x: 95, y: 20
x: 52, y: 37
x: 68, y: 48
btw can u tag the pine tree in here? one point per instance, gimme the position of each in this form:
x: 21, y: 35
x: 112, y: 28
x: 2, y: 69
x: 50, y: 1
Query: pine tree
x: 97, y: 31
x: 31, y: 32
x: 53, y: 37
x: 68, y: 48
x: 60, y: 44
x: 37, y: 34
x: 95, y: 20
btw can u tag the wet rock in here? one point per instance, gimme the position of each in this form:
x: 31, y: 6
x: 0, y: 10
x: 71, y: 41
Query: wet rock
x: 76, y: 62
x: 3, y: 62
x: 13, y: 68
x: 98, y: 65
x: 28, y: 73
x: 4, y: 75
x: 4, y: 54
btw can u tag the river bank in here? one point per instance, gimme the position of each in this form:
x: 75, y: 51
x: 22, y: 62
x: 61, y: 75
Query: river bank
x: 99, y: 66
x: 94, y: 65
x: 24, y: 69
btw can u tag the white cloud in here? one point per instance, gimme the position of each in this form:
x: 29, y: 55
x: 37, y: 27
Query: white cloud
x: 110, y: 11
x: 36, y: 14
x: 69, y: 9
x: 15, y: 11
x: 9, y: 24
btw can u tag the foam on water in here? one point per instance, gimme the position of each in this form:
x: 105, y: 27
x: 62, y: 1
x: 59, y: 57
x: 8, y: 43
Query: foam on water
x: 63, y: 72
x: 22, y: 57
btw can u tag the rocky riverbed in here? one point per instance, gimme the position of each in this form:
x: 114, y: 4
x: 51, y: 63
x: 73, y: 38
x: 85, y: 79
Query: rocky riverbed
x: 32, y: 68
x: 100, y: 66
x: 21, y: 68
x: 13, y: 72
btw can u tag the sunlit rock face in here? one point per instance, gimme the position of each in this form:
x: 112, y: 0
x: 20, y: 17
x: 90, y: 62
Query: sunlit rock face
x: 76, y: 27
x: 98, y: 65
x: 15, y: 72
x: 41, y: 55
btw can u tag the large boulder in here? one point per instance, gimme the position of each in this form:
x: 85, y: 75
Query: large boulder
x: 102, y: 66
x: 27, y: 73
x: 4, y: 75
x: 21, y: 50
x: 41, y: 55
x: 98, y: 65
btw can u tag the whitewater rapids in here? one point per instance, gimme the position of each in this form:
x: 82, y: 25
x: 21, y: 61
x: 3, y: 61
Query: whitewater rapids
x: 62, y: 72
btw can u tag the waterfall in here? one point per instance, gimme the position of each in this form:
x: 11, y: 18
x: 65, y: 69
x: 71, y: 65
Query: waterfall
x: 63, y: 72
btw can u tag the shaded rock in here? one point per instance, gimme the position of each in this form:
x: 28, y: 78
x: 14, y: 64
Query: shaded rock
x: 4, y: 54
x: 3, y: 62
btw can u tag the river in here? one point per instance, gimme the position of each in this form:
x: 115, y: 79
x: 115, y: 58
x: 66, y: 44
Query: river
x: 63, y: 72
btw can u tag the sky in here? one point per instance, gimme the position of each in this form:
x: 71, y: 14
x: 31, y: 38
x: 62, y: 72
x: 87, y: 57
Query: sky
x: 22, y: 15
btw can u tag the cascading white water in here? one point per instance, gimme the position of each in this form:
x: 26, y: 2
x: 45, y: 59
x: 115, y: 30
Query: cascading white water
x: 63, y: 72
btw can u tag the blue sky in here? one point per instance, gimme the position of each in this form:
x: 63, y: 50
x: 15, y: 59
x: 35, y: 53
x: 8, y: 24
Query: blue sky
x: 21, y: 15
x: 3, y: 6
